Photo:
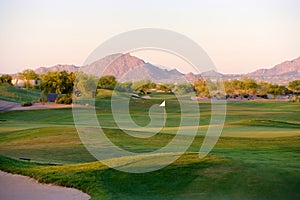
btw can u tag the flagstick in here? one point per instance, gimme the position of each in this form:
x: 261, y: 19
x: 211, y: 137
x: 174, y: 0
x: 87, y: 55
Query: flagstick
x: 165, y: 116
x: 163, y: 104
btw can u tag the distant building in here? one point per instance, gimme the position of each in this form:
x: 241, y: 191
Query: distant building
x: 18, y: 82
x: 21, y: 82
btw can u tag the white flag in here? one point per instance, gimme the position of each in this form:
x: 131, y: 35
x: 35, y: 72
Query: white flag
x: 163, y: 104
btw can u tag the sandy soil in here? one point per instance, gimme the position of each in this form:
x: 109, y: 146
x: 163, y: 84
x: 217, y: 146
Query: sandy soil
x: 16, y: 187
x: 6, y: 105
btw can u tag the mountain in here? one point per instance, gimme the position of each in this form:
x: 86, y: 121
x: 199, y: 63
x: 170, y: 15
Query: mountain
x: 212, y: 74
x: 126, y: 67
x: 191, y: 77
x: 282, y: 73
x: 287, y: 68
x: 151, y: 72
x: 115, y: 64
x: 68, y: 68
x: 130, y: 68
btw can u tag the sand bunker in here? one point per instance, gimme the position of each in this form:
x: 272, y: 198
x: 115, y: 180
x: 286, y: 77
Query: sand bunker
x: 16, y: 187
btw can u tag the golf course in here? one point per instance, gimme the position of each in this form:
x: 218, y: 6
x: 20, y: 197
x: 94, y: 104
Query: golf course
x: 256, y: 157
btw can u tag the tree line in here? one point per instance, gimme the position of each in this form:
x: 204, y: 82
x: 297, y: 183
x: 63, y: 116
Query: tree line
x: 62, y: 83
x: 205, y: 87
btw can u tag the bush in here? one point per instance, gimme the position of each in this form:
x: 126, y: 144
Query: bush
x: 64, y: 100
x: 24, y: 104
x: 295, y: 99
x: 37, y: 87
x: 246, y: 96
x: 264, y: 96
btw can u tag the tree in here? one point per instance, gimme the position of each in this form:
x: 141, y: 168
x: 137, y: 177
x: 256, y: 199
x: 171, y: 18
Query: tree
x: 5, y: 78
x: 234, y: 87
x: 57, y: 82
x: 124, y: 87
x: 229, y: 88
x: 249, y: 85
x: 277, y: 90
x: 262, y: 88
x: 170, y: 86
x: 107, y: 82
x: 142, y: 86
x: 164, y: 88
x: 294, y: 86
x: 48, y: 82
x: 85, y: 85
x: 183, y: 88
x: 29, y: 75
x: 201, y: 87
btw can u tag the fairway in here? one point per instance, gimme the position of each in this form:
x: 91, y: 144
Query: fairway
x: 257, y: 156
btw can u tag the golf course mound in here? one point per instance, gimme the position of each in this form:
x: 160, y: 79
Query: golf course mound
x: 267, y: 123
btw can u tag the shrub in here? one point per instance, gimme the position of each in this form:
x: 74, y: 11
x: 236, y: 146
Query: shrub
x: 295, y: 99
x: 37, y: 87
x: 63, y: 100
x: 24, y: 104
x: 246, y: 95
x: 264, y: 96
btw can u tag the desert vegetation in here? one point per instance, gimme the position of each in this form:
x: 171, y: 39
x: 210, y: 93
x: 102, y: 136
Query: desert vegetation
x: 62, y: 83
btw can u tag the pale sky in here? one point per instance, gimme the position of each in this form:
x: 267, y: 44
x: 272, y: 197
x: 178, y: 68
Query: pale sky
x: 239, y: 36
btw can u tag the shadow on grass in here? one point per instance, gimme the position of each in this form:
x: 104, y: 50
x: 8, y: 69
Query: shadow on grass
x: 213, y: 177
x: 101, y: 182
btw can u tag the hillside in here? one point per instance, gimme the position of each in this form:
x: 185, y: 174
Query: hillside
x: 151, y: 72
x: 287, y: 68
x: 282, y: 73
x: 130, y: 68
x: 115, y: 64
x: 68, y: 68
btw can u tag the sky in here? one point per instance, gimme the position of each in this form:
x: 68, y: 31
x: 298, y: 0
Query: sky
x: 239, y: 36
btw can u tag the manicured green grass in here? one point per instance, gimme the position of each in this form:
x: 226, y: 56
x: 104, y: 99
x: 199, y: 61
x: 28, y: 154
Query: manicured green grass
x: 214, y: 177
x: 103, y: 93
x: 14, y: 94
x: 257, y: 157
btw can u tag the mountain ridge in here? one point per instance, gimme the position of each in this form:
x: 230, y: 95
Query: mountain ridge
x: 279, y: 69
x: 126, y: 67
